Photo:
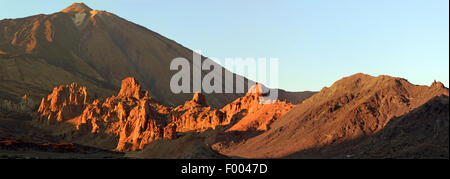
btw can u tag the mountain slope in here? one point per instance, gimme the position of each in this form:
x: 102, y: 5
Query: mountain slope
x: 355, y: 106
x: 421, y: 133
x: 96, y: 49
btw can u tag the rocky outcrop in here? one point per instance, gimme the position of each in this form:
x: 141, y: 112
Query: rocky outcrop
x: 249, y: 112
x: 137, y: 119
x: 20, y: 105
x: 142, y: 126
x: 64, y: 103
x: 130, y: 88
x: 131, y: 115
x: 194, y: 115
x: 245, y: 113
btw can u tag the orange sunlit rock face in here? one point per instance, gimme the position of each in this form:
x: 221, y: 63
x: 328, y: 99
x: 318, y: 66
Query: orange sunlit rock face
x: 65, y: 102
x: 137, y: 119
x: 247, y: 113
x: 130, y: 88
x: 194, y: 115
x: 132, y: 115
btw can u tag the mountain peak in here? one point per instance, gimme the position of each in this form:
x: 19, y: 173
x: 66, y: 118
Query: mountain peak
x: 77, y: 8
x: 437, y: 84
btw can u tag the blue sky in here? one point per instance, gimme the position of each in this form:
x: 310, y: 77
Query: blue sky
x: 317, y: 41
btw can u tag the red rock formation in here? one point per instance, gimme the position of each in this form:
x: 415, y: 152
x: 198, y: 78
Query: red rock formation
x: 137, y: 119
x: 65, y: 102
x: 245, y: 113
x: 130, y: 88
x: 132, y: 116
x: 194, y: 115
x: 248, y: 112
x: 141, y: 127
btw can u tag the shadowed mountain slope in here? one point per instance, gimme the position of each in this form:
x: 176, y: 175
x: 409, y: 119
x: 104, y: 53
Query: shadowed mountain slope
x: 421, y: 133
x: 353, y: 107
